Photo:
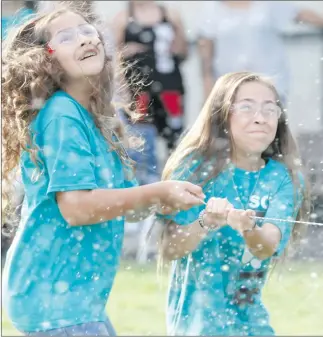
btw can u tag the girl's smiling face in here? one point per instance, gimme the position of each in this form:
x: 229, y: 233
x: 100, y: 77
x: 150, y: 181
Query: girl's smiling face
x: 77, y: 46
x: 254, y: 118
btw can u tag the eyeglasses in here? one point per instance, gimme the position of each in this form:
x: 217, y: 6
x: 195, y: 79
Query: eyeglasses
x: 250, y: 109
x: 69, y: 35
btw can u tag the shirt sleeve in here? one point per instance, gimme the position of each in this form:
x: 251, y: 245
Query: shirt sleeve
x: 283, y: 13
x: 67, y: 155
x: 284, y: 205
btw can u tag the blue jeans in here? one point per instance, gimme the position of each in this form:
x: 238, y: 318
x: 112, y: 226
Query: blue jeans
x: 85, y: 329
x: 147, y: 171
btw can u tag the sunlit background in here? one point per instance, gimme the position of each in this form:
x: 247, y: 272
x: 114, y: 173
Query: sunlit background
x: 294, y: 294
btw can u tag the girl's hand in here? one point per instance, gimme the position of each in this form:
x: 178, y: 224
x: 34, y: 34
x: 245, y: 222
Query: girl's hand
x: 216, y: 212
x: 181, y: 195
x: 240, y: 220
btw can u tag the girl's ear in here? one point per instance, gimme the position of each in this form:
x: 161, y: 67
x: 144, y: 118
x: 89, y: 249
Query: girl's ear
x: 49, y: 49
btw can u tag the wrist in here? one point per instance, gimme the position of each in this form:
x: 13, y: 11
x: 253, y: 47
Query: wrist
x: 206, y: 223
x: 198, y: 229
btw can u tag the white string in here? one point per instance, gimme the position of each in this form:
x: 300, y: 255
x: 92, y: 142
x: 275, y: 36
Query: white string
x: 308, y: 223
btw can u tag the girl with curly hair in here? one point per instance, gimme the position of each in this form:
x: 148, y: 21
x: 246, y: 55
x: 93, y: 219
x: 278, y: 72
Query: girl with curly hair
x: 60, y: 127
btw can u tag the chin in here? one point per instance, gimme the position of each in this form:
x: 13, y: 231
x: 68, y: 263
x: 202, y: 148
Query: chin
x: 257, y: 148
x: 92, y: 68
x: 92, y: 71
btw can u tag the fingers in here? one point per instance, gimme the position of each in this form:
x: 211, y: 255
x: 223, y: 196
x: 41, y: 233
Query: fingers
x: 250, y: 213
x: 187, y: 200
x: 246, y: 222
x: 240, y: 220
x: 217, y: 210
x: 195, y: 189
x: 219, y: 205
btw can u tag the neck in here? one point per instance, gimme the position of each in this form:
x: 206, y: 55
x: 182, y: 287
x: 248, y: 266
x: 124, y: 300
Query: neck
x: 80, y: 92
x: 248, y: 162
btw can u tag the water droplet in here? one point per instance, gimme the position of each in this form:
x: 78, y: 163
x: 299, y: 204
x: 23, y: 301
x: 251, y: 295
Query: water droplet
x: 256, y: 263
x: 46, y: 325
x: 225, y: 268
x: 313, y: 275
x: 61, y: 287
x: 79, y: 236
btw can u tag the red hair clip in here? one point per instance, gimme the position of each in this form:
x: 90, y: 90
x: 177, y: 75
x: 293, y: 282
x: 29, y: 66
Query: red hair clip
x: 49, y: 49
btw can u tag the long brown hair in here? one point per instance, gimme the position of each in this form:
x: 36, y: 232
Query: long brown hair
x: 30, y: 76
x: 210, y: 139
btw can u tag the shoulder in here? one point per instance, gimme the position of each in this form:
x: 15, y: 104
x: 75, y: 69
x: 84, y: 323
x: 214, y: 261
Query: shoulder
x: 284, y: 176
x: 59, y: 105
x: 275, y: 166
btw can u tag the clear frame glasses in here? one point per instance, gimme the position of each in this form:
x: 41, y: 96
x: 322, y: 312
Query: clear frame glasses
x: 249, y: 109
x: 70, y: 35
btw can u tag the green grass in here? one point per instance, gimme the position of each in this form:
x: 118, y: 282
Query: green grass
x: 137, y: 304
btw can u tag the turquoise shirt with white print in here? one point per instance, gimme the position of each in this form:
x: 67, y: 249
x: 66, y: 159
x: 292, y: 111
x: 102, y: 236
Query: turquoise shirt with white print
x: 216, y: 290
x: 57, y: 275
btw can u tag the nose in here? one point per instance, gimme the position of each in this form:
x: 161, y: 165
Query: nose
x: 259, y: 117
x: 83, y: 40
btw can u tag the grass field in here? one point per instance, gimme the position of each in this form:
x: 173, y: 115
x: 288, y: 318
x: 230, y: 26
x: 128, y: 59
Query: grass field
x: 294, y: 297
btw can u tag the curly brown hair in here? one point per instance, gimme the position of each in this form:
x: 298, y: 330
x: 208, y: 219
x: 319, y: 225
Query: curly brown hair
x: 30, y: 76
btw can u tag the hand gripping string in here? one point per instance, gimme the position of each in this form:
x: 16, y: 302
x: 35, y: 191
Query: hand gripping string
x: 308, y: 223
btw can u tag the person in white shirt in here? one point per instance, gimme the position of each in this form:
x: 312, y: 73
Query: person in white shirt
x: 246, y: 36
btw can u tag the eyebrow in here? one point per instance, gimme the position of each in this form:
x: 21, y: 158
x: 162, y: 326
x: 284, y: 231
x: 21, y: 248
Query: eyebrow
x: 253, y: 101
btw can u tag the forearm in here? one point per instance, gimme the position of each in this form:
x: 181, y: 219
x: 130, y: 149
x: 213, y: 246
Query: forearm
x: 206, y: 55
x: 100, y: 205
x: 208, y: 83
x: 180, y: 48
x: 179, y: 241
x: 263, y: 241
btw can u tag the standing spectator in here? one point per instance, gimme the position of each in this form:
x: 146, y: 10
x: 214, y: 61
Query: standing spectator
x: 246, y: 36
x: 152, y: 40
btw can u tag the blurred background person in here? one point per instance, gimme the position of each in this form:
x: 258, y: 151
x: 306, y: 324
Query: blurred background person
x: 246, y: 36
x: 14, y: 13
x: 152, y: 41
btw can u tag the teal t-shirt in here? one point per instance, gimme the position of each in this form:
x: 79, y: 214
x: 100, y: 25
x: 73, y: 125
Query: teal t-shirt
x: 57, y: 275
x: 216, y: 290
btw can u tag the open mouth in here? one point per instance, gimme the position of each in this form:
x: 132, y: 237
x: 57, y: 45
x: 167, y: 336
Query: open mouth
x: 88, y: 55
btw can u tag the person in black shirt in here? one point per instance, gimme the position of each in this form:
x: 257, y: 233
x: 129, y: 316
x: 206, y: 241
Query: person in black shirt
x: 152, y: 41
